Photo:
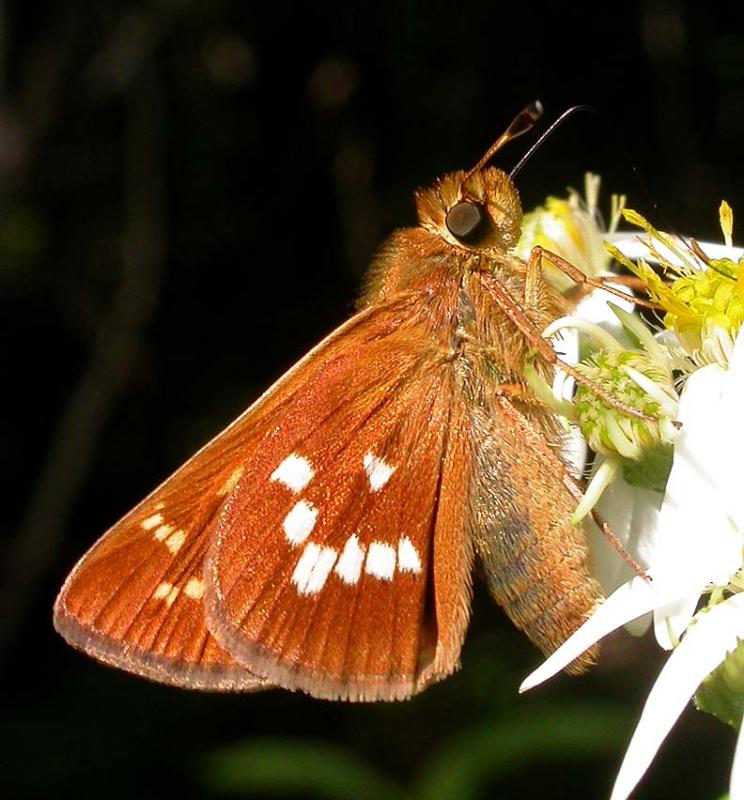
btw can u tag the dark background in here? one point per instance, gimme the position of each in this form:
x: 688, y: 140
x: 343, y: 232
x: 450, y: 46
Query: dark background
x: 189, y: 194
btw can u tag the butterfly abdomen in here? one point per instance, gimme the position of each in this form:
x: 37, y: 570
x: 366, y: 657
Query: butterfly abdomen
x: 534, y: 558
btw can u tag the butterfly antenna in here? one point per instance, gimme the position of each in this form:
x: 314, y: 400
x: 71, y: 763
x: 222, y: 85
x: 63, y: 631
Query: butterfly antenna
x: 523, y: 122
x: 621, y: 145
x: 569, y: 112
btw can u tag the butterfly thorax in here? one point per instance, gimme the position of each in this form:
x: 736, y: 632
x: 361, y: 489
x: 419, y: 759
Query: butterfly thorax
x: 519, y: 509
x: 445, y: 274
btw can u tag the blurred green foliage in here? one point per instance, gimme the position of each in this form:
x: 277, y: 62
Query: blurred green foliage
x: 461, y: 768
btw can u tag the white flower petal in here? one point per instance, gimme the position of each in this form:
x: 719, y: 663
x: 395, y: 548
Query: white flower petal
x: 632, y: 514
x: 736, y: 786
x: 602, y: 479
x: 730, y: 456
x: 633, y: 245
x: 703, y: 648
x: 644, y: 524
x: 594, y: 307
x: 616, y: 507
x: 631, y: 600
x: 573, y: 448
x: 671, y: 620
x: 574, y: 452
x: 695, y: 540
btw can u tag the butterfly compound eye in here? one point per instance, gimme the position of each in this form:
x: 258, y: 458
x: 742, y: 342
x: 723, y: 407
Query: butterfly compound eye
x: 466, y: 221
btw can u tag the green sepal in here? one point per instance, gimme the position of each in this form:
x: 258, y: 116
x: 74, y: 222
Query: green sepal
x: 652, y: 472
x: 722, y: 692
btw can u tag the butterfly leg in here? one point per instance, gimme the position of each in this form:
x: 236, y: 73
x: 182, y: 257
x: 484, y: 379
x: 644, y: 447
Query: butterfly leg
x: 514, y: 390
x: 516, y: 313
x: 614, y: 540
x: 534, y: 269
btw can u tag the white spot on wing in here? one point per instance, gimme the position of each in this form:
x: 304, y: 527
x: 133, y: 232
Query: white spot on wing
x: 299, y: 522
x: 313, y: 568
x: 349, y: 566
x: 162, y: 532
x: 408, y: 557
x: 162, y: 591
x: 377, y: 471
x: 295, y: 472
x: 166, y: 591
x: 380, y: 561
x: 175, y: 540
x: 194, y: 588
x: 149, y: 523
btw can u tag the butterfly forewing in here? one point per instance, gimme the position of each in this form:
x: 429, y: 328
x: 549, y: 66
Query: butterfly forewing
x: 136, y: 600
x: 320, y: 574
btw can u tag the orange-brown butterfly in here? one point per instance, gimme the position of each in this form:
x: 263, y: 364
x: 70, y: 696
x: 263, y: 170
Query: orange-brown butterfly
x: 325, y: 541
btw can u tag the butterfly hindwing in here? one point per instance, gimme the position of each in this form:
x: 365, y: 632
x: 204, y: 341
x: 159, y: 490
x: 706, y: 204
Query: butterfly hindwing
x: 534, y: 557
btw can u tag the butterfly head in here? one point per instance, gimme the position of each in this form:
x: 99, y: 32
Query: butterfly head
x: 478, y: 210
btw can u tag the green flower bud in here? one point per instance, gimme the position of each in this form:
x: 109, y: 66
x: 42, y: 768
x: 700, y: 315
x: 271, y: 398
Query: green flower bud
x: 633, y: 380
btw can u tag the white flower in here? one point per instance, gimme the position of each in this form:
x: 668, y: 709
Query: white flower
x: 692, y: 546
x: 674, y: 498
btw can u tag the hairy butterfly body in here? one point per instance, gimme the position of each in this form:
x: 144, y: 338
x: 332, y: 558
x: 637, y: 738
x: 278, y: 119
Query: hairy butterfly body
x: 326, y: 540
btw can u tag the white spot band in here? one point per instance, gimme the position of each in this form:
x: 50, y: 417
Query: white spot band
x: 380, y: 561
x: 349, y: 566
x: 162, y: 532
x: 378, y: 472
x: 166, y: 591
x: 313, y: 568
x: 151, y: 522
x: 175, y: 541
x: 299, y: 522
x: 194, y: 588
x: 408, y: 557
x: 229, y: 485
x: 295, y: 472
